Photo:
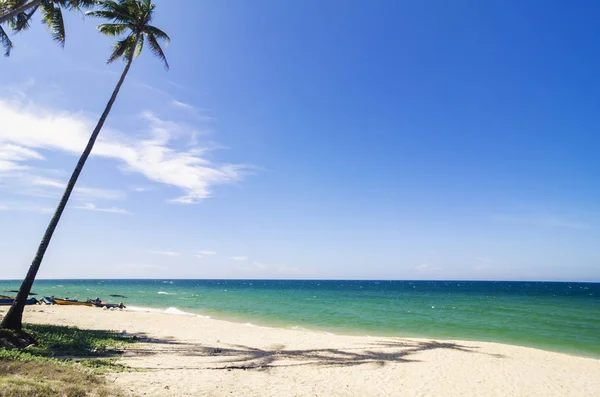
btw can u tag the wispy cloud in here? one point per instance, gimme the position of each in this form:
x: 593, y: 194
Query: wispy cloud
x: 239, y: 258
x: 540, y: 220
x: 139, y: 189
x: 12, y: 156
x: 27, y: 128
x: 197, y: 113
x: 27, y: 207
x: 166, y: 253
x: 202, y: 254
x: 93, y: 207
x: 182, y: 105
x: 31, y: 182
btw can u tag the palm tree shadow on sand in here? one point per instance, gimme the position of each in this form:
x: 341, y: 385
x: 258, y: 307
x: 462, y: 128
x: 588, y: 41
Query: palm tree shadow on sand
x: 240, y: 357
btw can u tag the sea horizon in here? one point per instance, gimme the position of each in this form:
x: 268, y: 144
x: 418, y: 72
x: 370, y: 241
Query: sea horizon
x: 307, y: 279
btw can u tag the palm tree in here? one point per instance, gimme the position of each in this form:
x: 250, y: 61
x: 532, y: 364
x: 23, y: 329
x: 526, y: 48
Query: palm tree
x: 130, y: 17
x: 18, y: 13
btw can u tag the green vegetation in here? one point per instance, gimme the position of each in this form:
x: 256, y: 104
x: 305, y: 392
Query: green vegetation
x: 63, y: 361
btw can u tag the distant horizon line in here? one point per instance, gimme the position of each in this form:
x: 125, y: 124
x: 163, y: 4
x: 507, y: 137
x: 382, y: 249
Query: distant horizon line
x: 298, y: 279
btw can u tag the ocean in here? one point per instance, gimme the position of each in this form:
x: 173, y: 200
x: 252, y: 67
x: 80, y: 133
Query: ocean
x: 557, y: 316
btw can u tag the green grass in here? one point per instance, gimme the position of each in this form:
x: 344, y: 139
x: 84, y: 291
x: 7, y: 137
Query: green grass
x: 64, y: 361
x: 61, y: 341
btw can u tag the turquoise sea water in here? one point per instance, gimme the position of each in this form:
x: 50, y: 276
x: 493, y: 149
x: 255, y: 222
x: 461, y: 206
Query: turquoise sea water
x: 553, y: 316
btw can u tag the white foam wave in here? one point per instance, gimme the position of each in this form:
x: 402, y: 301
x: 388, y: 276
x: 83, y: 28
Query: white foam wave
x: 174, y: 310
x: 165, y: 293
x: 170, y: 310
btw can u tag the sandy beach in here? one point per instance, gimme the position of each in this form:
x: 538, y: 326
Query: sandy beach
x: 184, y: 355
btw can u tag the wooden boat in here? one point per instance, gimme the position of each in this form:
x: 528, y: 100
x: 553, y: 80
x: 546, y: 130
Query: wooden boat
x: 8, y: 301
x: 71, y: 302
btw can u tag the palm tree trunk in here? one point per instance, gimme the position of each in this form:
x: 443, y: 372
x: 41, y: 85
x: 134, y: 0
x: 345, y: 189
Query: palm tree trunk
x: 13, y: 13
x: 14, y: 317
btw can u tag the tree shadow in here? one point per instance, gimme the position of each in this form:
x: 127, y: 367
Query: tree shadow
x: 74, y: 343
x: 240, y: 357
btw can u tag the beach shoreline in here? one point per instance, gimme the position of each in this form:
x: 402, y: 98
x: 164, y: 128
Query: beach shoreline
x: 260, y: 322
x: 193, y: 355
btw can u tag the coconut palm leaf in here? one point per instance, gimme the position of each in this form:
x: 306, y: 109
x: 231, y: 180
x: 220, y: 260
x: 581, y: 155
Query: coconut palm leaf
x: 18, y: 14
x: 5, y: 42
x: 132, y: 18
x: 54, y: 20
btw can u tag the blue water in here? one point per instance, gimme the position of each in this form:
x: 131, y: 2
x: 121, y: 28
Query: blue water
x: 554, y: 316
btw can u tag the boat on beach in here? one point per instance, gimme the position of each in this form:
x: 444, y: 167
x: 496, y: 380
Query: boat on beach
x: 71, y: 302
x: 8, y: 301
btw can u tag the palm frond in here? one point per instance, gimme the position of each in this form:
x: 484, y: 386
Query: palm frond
x: 5, y: 42
x: 21, y: 22
x: 131, y: 17
x: 78, y: 4
x: 9, y: 5
x: 140, y: 46
x: 155, y: 48
x: 122, y: 48
x: 54, y: 20
x: 159, y: 34
x: 113, y: 10
x: 112, y: 29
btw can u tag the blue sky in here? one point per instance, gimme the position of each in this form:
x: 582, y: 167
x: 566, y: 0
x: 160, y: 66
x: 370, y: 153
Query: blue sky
x: 311, y: 139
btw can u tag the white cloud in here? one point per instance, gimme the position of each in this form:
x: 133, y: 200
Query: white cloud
x: 182, y: 105
x: 83, y: 193
x: 239, y: 258
x: 166, y: 253
x: 92, y: 207
x: 140, y: 189
x: 30, y: 182
x: 41, y: 181
x: 12, y: 155
x: 27, y: 128
x: 202, y: 254
x: 197, y: 113
x: 27, y: 207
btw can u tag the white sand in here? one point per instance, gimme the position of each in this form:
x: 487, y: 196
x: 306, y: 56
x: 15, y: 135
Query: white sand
x: 193, y: 356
